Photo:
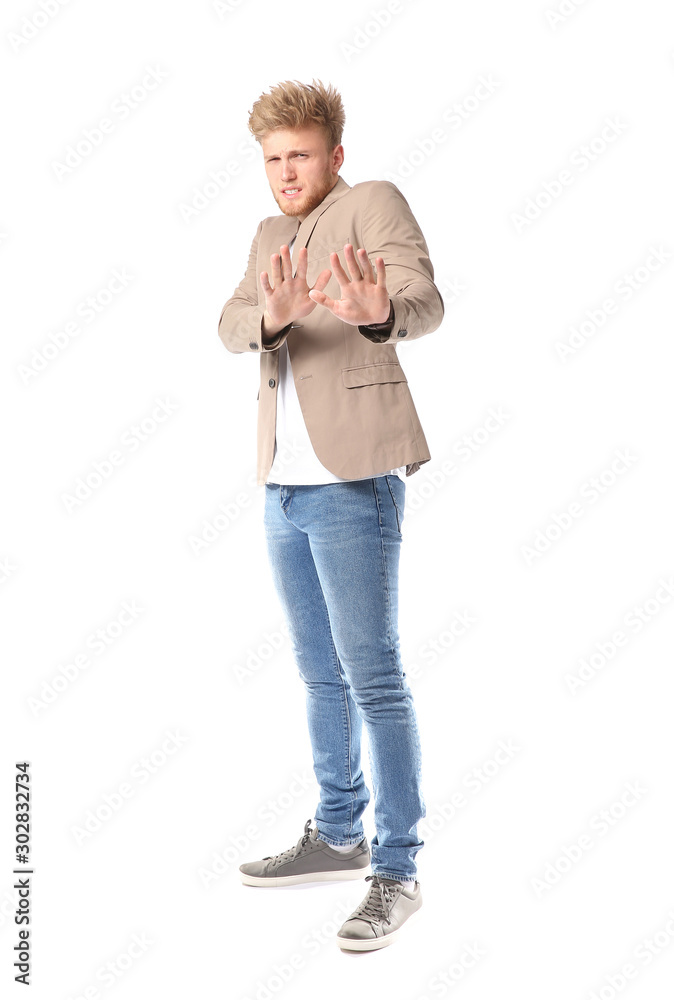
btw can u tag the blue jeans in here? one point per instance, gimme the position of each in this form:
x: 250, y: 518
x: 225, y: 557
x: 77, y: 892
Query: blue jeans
x: 334, y: 551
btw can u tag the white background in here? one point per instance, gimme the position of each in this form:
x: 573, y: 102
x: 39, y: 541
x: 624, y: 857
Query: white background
x: 238, y: 784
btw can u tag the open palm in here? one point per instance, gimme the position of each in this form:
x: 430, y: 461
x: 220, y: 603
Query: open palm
x: 364, y: 298
x: 288, y: 299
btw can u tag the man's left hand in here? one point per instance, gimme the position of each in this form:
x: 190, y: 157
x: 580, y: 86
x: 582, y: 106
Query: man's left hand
x: 364, y: 300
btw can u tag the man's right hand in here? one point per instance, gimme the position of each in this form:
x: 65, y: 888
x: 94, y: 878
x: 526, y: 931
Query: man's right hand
x: 289, y: 298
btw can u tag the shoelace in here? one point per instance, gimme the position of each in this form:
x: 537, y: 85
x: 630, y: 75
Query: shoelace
x: 292, y: 852
x: 379, y: 900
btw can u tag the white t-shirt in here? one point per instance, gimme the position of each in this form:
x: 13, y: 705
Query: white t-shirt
x: 295, y: 461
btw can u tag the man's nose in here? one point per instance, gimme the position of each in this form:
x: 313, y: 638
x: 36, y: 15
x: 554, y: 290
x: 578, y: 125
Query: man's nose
x: 287, y: 171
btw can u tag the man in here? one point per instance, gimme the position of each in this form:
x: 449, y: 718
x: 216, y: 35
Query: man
x: 337, y: 430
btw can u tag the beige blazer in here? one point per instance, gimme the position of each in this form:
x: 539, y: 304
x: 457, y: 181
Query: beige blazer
x: 353, y: 392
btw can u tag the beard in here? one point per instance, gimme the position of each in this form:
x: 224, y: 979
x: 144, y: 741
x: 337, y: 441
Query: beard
x: 309, y: 201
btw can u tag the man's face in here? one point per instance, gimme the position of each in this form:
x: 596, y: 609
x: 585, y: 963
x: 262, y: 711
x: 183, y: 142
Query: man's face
x: 300, y: 168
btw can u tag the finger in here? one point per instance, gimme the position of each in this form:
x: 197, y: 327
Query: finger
x: 381, y: 271
x: 286, y: 263
x: 301, y: 272
x: 276, y: 269
x: 322, y: 299
x: 264, y: 281
x: 352, y: 263
x: 368, y: 273
x: 338, y: 270
x: 322, y: 280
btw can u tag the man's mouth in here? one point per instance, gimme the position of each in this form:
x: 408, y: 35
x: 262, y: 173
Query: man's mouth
x: 291, y: 192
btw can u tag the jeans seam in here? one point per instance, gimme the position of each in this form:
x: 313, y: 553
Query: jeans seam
x: 389, y: 635
x: 345, y: 703
x: 348, y: 733
x: 345, y: 708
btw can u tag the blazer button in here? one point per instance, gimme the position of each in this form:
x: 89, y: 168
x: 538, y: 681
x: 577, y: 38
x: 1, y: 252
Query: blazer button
x: 272, y: 383
x: 402, y: 333
x: 253, y: 346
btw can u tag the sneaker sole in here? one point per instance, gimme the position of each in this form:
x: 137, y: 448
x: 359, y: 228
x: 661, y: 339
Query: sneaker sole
x: 279, y: 880
x: 371, y: 944
x: 367, y: 944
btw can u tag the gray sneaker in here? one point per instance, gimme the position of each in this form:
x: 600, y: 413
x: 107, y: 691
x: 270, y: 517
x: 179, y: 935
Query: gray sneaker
x: 310, y: 860
x: 379, y: 918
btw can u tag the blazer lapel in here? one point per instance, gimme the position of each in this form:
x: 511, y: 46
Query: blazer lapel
x: 307, y: 227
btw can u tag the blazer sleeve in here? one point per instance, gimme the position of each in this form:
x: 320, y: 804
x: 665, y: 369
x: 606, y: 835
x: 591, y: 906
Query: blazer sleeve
x: 240, y: 323
x: 390, y: 231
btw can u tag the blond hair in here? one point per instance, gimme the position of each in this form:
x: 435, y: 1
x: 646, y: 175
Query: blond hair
x: 295, y: 105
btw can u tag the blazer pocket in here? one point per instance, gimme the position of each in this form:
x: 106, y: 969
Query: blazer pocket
x: 372, y: 374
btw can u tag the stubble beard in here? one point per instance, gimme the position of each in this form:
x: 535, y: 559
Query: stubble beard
x: 308, y: 204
